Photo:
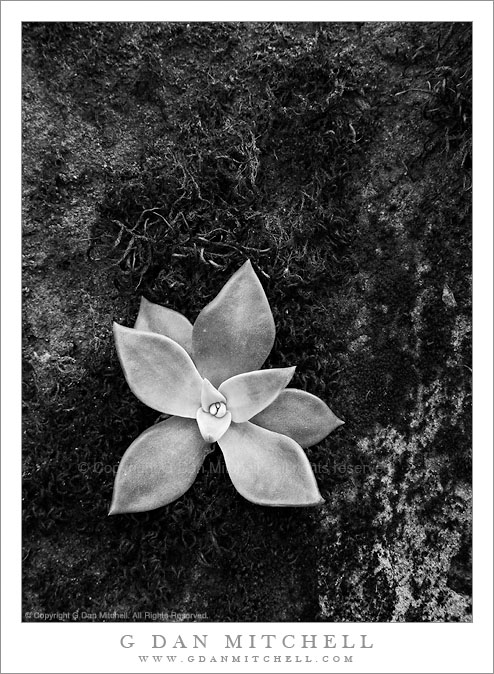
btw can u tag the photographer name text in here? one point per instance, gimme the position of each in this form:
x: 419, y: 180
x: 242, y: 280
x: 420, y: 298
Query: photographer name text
x: 322, y: 643
x: 255, y: 641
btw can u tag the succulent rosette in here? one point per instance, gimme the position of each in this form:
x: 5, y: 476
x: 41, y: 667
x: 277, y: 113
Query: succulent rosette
x: 207, y: 377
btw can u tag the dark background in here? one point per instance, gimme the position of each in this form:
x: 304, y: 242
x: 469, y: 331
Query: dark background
x: 337, y: 157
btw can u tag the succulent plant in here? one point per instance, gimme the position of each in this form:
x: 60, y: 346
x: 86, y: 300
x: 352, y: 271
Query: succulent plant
x: 206, y: 376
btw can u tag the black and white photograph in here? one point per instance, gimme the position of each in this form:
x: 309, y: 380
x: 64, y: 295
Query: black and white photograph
x: 247, y: 329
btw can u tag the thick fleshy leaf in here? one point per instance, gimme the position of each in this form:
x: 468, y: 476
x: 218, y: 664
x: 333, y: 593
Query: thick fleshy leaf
x: 212, y: 428
x: 249, y: 393
x: 268, y: 468
x: 163, y: 321
x: 302, y: 416
x: 235, y: 332
x: 159, y: 372
x: 210, y: 395
x: 159, y: 466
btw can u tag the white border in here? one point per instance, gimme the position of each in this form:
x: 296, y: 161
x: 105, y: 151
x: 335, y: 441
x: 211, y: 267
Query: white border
x: 397, y: 647
x: 244, y: 10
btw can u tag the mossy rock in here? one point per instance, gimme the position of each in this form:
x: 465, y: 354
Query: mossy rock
x: 337, y: 157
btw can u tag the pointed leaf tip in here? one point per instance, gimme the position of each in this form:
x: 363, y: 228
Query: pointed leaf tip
x: 158, y: 467
x: 210, y: 395
x: 235, y: 332
x: 212, y: 428
x: 268, y: 468
x: 159, y: 371
x: 166, y: 322
x: 300, y: 415
x: 249, y: 393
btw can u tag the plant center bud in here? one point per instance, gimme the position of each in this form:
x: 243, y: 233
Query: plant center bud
x: 217, y: 409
